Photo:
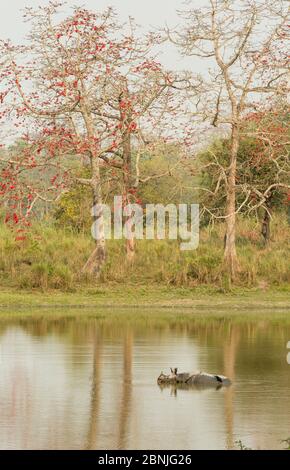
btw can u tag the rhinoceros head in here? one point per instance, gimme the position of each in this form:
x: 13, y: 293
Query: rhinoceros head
x: 164, y: 378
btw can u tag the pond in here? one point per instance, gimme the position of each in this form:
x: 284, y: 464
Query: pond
x: 87, y: 380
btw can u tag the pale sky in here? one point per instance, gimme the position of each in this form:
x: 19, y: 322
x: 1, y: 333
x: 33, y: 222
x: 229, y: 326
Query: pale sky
x: 147, y: 13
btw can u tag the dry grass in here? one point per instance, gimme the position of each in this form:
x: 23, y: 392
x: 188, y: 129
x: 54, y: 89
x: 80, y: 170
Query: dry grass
x: 51, y: 258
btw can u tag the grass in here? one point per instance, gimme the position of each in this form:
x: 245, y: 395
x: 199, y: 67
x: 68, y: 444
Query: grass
x: 200, y: 312
x: 241, y: 446
x: 149, y: 297
x: 286, y: 442
x: 50, y: 260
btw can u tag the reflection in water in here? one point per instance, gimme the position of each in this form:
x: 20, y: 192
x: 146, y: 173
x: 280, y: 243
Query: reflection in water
x: 190, y: 387
x: 95, y: 393
x: 126, y: 393
x: 90, y: 383
x: 230, y: 351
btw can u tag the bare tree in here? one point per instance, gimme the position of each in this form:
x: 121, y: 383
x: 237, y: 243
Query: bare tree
x: 263, y: 167
x: 244, y: 41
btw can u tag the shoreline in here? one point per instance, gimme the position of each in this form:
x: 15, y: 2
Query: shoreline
x: 148, y: 297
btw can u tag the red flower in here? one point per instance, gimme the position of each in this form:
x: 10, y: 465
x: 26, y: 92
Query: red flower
x: 132, y: 127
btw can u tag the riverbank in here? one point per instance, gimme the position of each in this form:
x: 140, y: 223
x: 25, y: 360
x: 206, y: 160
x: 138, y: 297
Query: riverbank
x: 149, y: 297
x: 50, y: 259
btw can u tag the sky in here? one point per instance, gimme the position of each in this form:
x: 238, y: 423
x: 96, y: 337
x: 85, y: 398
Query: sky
x: 147, y: 13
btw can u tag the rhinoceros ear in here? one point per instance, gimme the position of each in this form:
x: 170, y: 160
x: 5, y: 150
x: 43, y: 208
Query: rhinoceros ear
x: 171, y: 370
x: 175, y: 371
x: 219, y: 379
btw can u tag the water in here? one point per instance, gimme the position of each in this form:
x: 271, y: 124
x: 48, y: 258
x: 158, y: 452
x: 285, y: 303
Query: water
x: 90, y: 382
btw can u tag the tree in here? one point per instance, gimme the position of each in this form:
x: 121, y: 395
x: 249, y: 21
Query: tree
x: 141, y: 106
x: 245, y: 41
x: 160, y: 178
x: 262, y: 168
x: 79, y: 91
x: 267, y: 176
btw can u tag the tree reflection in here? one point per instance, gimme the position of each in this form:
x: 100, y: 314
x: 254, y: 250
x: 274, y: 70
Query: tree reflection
x: 95, y: 393
x: 230, y: 353
x: 126, y: 394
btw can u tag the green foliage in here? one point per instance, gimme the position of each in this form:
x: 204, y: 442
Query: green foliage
x: 263, y: 160
x: 74, y: 208
x: 176, y: 186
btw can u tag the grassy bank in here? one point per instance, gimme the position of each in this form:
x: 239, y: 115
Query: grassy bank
x: 150, y: 297
x: 51, y: 259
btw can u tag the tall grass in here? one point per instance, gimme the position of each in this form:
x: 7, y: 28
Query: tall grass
x: 51, y: 258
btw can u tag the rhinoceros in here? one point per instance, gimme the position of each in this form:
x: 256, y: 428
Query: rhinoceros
x: 195, y: 378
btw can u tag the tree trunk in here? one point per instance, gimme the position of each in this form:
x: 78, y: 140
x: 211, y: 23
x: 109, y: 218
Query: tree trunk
x: 230, y: 254
x: 127, y: 178
x: 266, y: 226
x: 97, y: 259
x: 130, y: 242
